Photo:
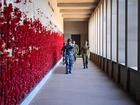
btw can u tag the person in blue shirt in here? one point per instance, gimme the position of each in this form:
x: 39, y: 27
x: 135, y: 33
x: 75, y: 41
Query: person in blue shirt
x: 69, y: 57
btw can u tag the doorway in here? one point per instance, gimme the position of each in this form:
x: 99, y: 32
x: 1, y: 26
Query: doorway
x: 76, y: 38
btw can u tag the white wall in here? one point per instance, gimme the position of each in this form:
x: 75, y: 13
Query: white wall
x: 132, y: 33
x: 57, y: 15
x: 40, y: 9
x: 95, y: 29
x: 121, y: 33
x: 91, y: 34
x: 104, y: 29
x: 108, y: 29
x: 73, y: 27
x: 114, y: 30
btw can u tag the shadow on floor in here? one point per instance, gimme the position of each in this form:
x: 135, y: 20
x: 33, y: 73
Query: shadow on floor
x: 60, y: 70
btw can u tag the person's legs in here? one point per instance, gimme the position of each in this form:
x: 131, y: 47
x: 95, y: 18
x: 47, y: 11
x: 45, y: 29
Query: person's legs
x: 67, y: 64
x: 70, y: 67
x: 71, y: 60
x: 86, y: 61
x: 75, y: 57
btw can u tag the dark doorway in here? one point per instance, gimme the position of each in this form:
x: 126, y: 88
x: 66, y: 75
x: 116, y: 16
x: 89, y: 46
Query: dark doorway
x: 76, y: 38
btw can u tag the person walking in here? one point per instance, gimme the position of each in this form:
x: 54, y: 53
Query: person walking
x: 69, y: 56
x: 84, y: 52
x: 76, y: 50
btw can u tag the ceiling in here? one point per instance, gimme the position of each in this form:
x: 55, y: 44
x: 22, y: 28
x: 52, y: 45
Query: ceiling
x: 76, y: 10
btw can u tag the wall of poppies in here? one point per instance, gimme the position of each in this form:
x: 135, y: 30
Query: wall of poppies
x: 28, y: 50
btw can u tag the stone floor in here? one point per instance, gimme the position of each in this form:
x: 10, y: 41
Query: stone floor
x: 83, y: 87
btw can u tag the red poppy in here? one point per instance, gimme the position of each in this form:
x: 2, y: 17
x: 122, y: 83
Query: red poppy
x: 31, y: 44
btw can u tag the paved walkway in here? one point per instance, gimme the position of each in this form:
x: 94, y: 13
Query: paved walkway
x: 83, y: 87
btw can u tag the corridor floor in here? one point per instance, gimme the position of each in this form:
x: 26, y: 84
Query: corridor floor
x: 83, y: 87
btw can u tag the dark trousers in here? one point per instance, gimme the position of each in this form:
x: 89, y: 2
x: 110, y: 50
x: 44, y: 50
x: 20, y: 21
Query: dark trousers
x: 85, y: 60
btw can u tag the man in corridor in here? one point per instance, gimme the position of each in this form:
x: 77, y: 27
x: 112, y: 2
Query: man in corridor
x: 76, y: 50
x: 69, y: 56
x: 85, y: 54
